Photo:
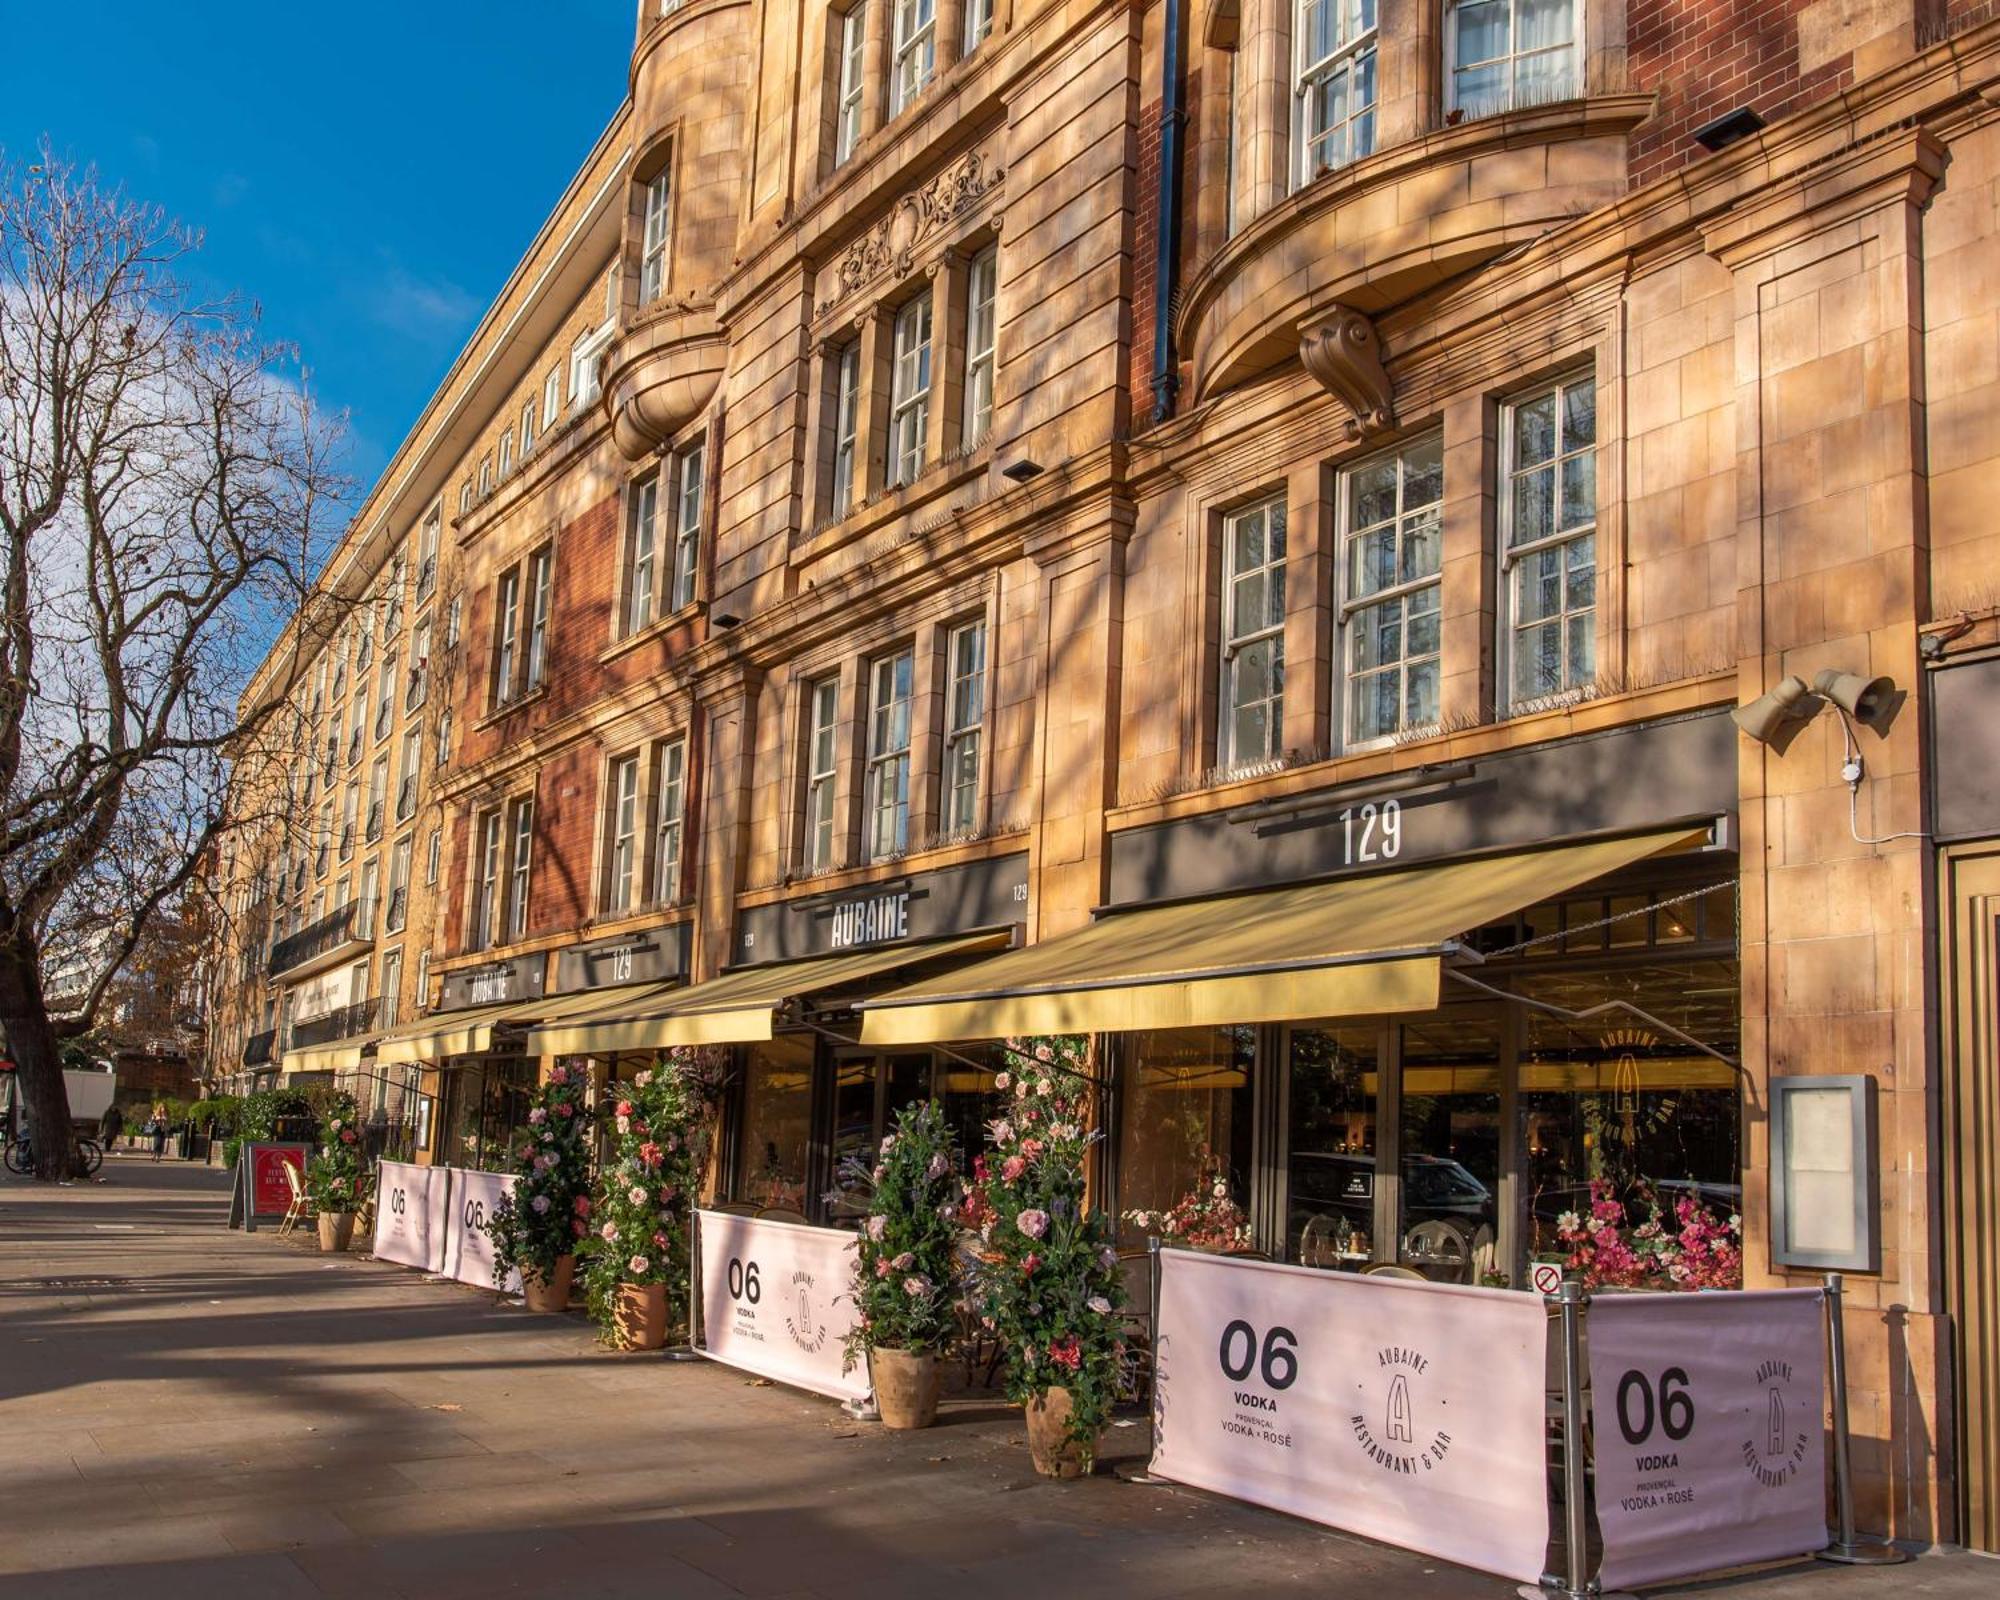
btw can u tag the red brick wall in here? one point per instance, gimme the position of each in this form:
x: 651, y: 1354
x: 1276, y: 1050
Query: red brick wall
x: 566, y: 799
x: 1707, y: 57
x: 1145, y: 262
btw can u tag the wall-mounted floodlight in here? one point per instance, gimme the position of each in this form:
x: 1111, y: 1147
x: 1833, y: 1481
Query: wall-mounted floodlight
x: 1774, y: 711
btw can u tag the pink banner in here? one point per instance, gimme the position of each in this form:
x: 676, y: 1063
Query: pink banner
x: 411, y: 1214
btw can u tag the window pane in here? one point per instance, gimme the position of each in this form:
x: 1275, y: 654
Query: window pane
x: 1580, y: 414
x: 777, y: 1124
x: 1482, y: 30
x: 1331, y: 1217
x: 1535, y: 431
x: 1184, y: 1129
x: 1579, y: 490
x: 1542, y: 23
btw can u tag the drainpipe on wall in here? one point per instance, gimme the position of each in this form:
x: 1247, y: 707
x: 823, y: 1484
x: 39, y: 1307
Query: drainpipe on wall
x: 1166, y: 267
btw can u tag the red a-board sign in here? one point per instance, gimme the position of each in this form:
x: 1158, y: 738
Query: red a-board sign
x: 268, y: 1185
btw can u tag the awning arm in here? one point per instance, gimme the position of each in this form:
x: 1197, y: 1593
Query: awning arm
x: 1549, y: 1008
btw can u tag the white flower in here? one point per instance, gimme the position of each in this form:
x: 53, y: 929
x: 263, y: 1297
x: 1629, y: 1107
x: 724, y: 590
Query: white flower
x: 641, y: 1079
x: 624, y: 1124
x: 636, y: 1195
x: 1099, y: 1304
x: 916, y: 1285
x: 938, y: 1167
x: 609, y: 1232
x: 1568, y: 1222
x: 877, y: 1226
x: 1002, y: 1080
x: 1002, y: 1131
x: 1045, y: 1088
x: 540, y: 1203
x: 1221, y: 1190
x: 638, y: 1263
x: 1107, y: 1258
x: 888, y: 1143
x: 904, y: 1262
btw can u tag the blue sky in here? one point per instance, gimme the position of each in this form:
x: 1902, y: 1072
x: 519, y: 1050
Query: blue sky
x: 369, y: 172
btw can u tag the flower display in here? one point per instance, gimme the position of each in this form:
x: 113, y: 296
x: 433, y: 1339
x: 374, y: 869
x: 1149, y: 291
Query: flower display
x: 665, y: 1119
x: 904, y: 1268
x: 1048, y: 1280
x: 1685, y: 1246
x: 334, y: 1177
x: 540, y: 1220
x: 1205, y: 1218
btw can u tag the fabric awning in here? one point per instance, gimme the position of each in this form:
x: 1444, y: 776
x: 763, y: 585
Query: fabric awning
x: 345, y: 1055
x: 1353, y: 947
x: 739, y: 1007
x: 452, y: 1033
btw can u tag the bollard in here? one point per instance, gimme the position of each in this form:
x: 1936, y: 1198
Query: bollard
x: 1846, y: 1548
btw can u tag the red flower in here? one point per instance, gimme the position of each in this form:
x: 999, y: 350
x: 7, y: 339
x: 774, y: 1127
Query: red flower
x: 576, y: 1226
x: 649, y: 1153
x: 1067, y: 1352
x: 1029, y: 1263
x: 583, y: 1205
x: 565, y: 1110
x: 347, y: 1136
x: 624, y: 1108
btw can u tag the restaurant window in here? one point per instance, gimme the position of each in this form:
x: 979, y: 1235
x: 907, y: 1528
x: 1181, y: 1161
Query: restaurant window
x: 1548, y: 544
x: 485, y: 1113
x: 871, y: 1091
x: 981, y: 283
x: 822, y: 771
x: 1504, y: 55
x: 965, y: 716
x: 653, y: 244
x: 520, y: 856
x: 1449, y: 1218
x: 888, y: 776
x: 774, y: 1137
x: 506, y: 635
x: 670, y: 806
x: 1392, y: 556
x: 1330, y: 1116
x: 641, y: 554
x: 486, y: 902
x: 853, y: 26
x: 541, y: 581
x: 846, y: 424
x: 1184, y: 1128
x: 914, y: 51
x: 1253, y: 636
x: 621, y: 864
x: 1335, y: 47
x: 688, y: 474
x: 910, y: 392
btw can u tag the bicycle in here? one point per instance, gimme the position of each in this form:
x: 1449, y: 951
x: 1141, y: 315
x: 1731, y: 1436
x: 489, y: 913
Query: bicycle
x: 20, y: 1155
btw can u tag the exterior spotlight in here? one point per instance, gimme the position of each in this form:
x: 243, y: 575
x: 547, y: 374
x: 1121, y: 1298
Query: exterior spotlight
x: 1863, y: 699
x: 1768, y: 715
x: 1021, y: 471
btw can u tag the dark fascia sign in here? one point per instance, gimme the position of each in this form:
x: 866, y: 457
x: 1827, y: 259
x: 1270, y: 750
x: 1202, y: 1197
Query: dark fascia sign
x: 1649, y: 775
x: 496, y: 983
x: 652, y: 956
x: 920, y: 905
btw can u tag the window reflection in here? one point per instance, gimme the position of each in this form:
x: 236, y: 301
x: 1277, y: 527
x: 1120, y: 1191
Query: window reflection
x: 1331, y: 1222
x: 1451, y: 1146
x: 777, y: 1124
x: 1184, y: 1136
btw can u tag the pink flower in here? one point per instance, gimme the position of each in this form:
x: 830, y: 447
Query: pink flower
x: 1012, y: 1168
x: 638, y: 1263
x: 667, y: 1194
x: 877, y: 1226
x: 904, y: 1262
x: 609, y: 1232
x: 659, y: 1239
x: 882, y: 1268
x: 649, y: 1153
x: 624, y: 1108
x: 916, y: 1285
x: 636, y: 1195
x: 559, y: 1074
x: 540, y: 1204
x: 537, y: 1117
x: 583, y: 1205
x: 1033, y: 1223
x: 1067, y: 1352
x: 564, y: 1109
x: 938, y: 1167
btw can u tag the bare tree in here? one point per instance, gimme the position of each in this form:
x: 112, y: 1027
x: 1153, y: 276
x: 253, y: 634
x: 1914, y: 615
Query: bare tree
x: 165, y: 479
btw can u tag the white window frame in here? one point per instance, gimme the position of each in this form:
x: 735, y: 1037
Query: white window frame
x: 427, y: 559
x: 419, y: 689
x: 1410, y: 519
x: 409, y: 771
x: 389, y: 1013
x: 621, y: 856
x: 886, y: 782
x: 433, y: 855
x: 657, y: 232
x: 642, y: 555
x: 978, y: 23
x: 465, y: 499
x: 913, y: 52
x: 910, y: 392
x: 506, y: 453
x: 965, y: 727
x: 982, y: 298
x: 378, y: 799
x: 443, y: 754
x: 670, y: 808
x: 584, y: 379
x: 486, y: 906
x: 846, y: 424
x: 485, y: 476
x: 822, y: 760
x: 1570, y: 459
x: 690, y: 471
x: 1509, y: 98
x: 423, y: 980
x: 1348, y: 63
x: 395, y: 917
x: 385, y: 696
x: 370, y: 889
x: 552, y: 397
x: 527, y: 427
x: 506, y: 634
x: 541, y: 591
x: 853, y: 38
x: 1261, y: 586
x: 520, y: 861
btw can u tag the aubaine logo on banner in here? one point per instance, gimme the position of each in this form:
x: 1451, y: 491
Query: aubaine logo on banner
x: 1397, y: 1424
x: 806, y: 1321
x: 1777, y: 1451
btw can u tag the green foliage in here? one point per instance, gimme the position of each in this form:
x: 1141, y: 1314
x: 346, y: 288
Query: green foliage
x: 666, y: 1125
x: 217, y: 1114
x: 334, y: 1177
x: 904, y: 1268
x: 542, y: 1219
x: 1048, y: 1283
x: 261, y: 1110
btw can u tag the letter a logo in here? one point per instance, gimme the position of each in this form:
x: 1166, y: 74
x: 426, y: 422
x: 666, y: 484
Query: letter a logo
x: 1399, y: 1426
x: 1777, y: 1418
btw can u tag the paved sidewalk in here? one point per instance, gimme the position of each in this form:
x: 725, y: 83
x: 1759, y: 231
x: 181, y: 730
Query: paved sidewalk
x: 187, y: 1411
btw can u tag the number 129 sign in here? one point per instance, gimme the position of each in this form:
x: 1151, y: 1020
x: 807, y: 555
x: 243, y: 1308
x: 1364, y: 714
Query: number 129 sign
x: 1371, y: 833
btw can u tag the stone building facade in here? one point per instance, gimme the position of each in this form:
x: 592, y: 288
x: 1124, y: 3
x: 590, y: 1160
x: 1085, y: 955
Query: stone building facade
x: 958, y: 474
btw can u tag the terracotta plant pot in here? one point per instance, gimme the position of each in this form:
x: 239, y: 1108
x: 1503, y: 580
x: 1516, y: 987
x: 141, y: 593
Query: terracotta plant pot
x: 552, y: 1295
x: 336, y: 1230
x: 1055, y: 1454
x: 906, y: 1386
x: 639, y: 1317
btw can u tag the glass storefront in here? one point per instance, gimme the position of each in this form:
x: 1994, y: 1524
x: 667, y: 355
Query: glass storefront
x: 774, y: 1126
x: 1184, y: 1135
x: 484, y: 1117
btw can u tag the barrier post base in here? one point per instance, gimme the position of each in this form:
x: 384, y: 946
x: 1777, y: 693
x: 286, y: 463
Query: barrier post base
x: 1555, y: 1589
x: 861, y: 1410
x: 1137, y: 1472
x: 683, y: 1352
x: 1862, y: 1553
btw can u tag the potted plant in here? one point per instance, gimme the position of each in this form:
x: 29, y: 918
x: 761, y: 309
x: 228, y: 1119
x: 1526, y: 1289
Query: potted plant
x: 1048, y: 1284
x: 536, y: 1226
x: 636, y: 1268
x: 334, y: 1180
x: 903, y: 1269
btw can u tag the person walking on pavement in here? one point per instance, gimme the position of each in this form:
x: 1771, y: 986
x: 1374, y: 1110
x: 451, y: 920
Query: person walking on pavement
x: 109, y: 1126
x: 157, y: 1127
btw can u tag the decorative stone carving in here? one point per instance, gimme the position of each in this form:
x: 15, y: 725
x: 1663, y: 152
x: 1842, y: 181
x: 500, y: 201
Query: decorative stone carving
x: 1343, y: 353
x: 890, y: 246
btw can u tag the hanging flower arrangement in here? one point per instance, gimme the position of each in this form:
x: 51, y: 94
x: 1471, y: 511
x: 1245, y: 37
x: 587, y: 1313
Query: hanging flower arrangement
x: 1205, y: 1218
x: 547, y: 1213
x: 638, y: 1224
x: 1048, y: 1284
x: 334, y: 1177
x: 907, y: 1258
x: 1683, y: 1247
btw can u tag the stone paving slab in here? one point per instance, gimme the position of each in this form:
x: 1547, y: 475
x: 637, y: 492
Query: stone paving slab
x: 190, y: 1412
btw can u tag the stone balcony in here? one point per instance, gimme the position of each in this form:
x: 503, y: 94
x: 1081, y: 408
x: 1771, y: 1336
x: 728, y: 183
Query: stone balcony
x: 1360, y: 240
x: 662, y: 371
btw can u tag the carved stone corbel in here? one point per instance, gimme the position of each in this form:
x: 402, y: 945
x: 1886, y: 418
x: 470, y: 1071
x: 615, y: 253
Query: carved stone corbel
x: 1342, y: 352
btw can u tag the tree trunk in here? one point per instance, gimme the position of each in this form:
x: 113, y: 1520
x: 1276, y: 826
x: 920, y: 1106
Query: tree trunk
x: 31, y: 1042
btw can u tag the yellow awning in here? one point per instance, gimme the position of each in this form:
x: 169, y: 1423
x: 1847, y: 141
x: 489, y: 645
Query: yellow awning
x: 451, y: 1033
x: 737, y: 1008
x: 345, y: 1055
x: 1354, y: 947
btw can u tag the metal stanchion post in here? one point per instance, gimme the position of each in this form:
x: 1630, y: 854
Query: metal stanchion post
x: 1574, y: 1582
x: 1846, y: 1548
x: 691, y: 1351
x: 1144, y: 1473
